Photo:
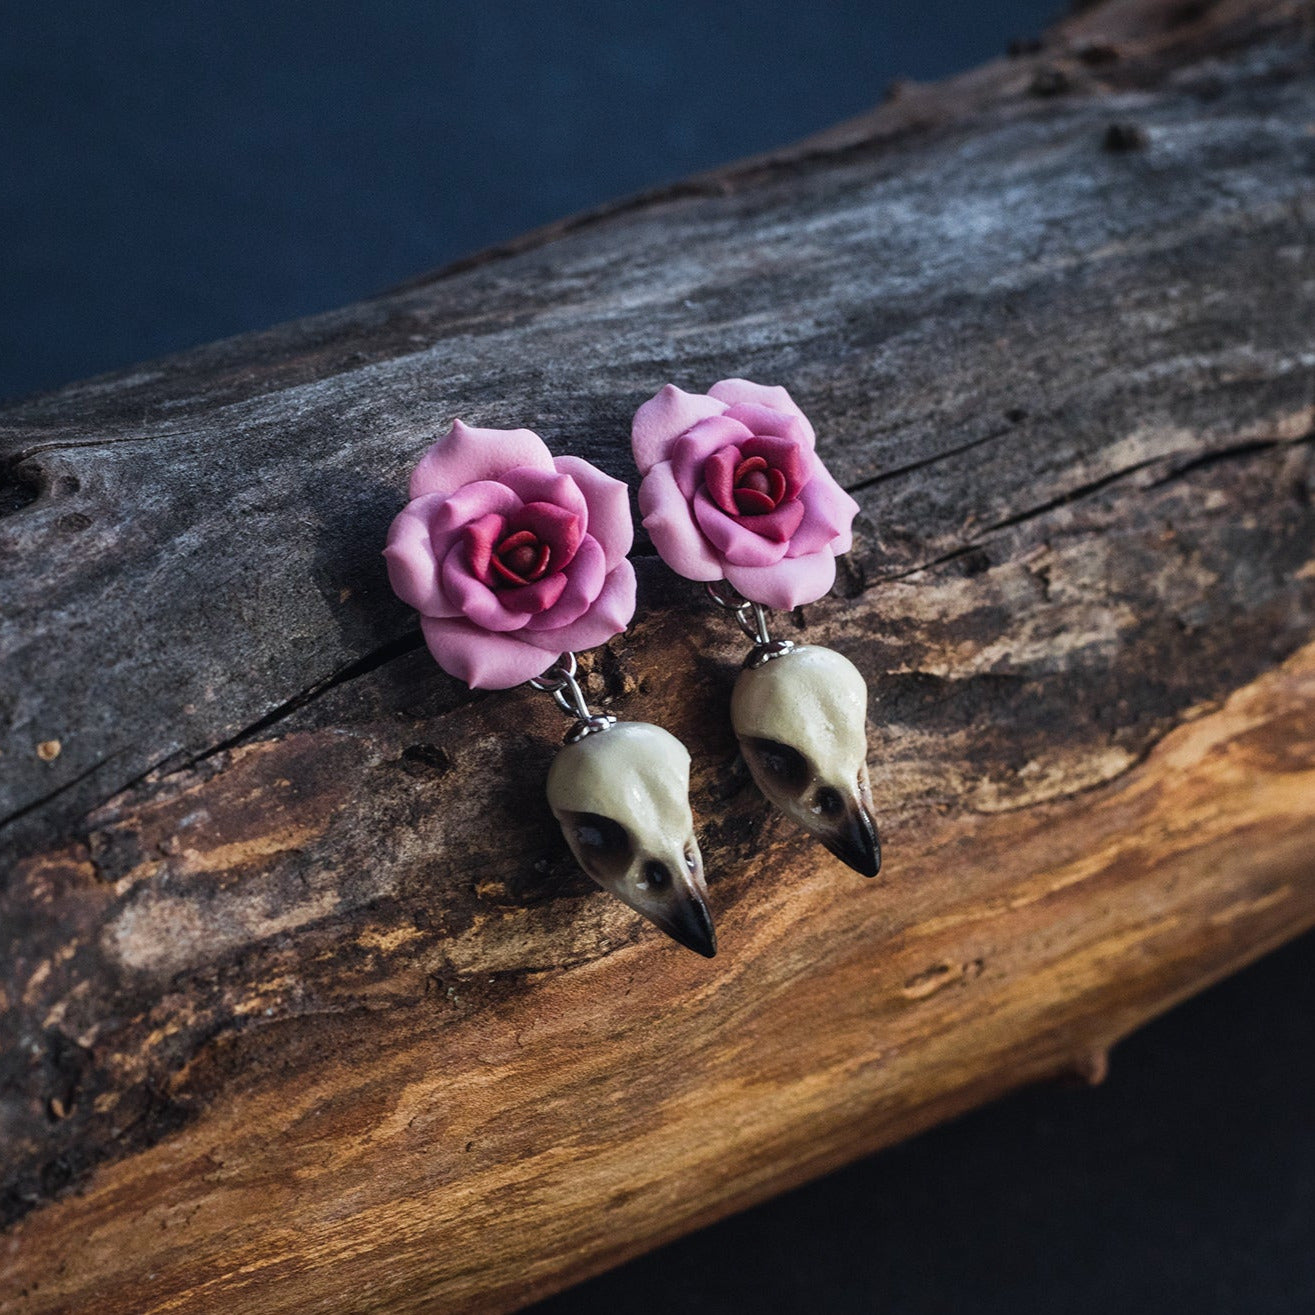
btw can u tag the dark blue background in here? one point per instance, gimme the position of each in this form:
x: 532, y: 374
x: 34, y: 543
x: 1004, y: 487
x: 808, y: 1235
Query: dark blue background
x: 170, y: 173
x: 176, y: 172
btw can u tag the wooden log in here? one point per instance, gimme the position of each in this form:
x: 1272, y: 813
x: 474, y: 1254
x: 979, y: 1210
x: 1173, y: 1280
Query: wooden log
x: 305, y: 1007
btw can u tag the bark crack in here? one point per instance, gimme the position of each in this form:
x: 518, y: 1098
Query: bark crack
x: 923, y: 462
x: 46, y: 798
x: 362, y: 666
x: 1203, y: 461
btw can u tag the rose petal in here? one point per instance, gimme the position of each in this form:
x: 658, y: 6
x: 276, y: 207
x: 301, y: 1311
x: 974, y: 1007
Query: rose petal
x: 466, y: 454
x: 476, y: 601
x: 691, y: 450
x: 752, y: 502
x: 455, y: 511
x: 582, y: 582
x: 662, y: 419
x: 481, y: 537
x: 740, y: 544
x: 608, y: 501
x: 534, y: 599
x: 736, y: 390
x: 740, y: 392
x: 412, y: 569
x: 775, y: 424
x: 531, y: 485
x: 791, y: 582
x: 520, y: 539
x: 670, y: 524
x: 607, y: 616
x: 719, y: 475
x: 449, y: 516
x: 560, y: 529
x: 481, y: 659
x: 777, y: 525
x: 828, y: 518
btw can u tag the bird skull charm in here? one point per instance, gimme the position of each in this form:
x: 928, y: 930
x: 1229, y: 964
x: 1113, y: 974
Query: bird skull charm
x: 621, y: 794
x: 801, y: 715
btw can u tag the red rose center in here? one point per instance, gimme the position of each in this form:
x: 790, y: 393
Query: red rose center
x: 758, y: 487
x: 521, y: 558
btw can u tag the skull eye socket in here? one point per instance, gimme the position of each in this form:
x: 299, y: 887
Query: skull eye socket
x: 603, y: 845
x: 783, y: 764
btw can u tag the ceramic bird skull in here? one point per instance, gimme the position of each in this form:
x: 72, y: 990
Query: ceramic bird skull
x: 801, y: 719
x: 622, y: 798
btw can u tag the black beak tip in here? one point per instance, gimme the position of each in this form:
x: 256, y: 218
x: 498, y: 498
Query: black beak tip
x: 859, y: 847
x: 692, y: 927
x: 708, y: 949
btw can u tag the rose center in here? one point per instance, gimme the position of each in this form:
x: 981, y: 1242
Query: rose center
x: 521, y: 558
x: 758, y: 487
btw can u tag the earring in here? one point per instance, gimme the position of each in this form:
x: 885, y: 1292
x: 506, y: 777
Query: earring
x: 734, y: 495
x: 515, y: 560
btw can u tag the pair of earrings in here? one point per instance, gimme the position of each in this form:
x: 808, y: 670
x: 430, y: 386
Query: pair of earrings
x: 516, y: 560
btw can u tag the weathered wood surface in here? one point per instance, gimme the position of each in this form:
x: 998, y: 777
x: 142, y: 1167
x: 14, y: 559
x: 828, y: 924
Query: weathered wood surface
x: 304, y: 1006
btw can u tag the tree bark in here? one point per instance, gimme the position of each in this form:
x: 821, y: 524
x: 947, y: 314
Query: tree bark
x: 306, y: 1008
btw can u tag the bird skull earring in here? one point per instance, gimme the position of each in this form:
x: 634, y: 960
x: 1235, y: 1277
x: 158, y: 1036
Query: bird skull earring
x: 734, y: 495
x: 516, y: 560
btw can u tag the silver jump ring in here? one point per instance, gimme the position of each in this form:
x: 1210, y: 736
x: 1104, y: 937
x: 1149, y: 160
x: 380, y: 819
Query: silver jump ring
x: 557, y: 675
x: 725, y: 594
x: 752, y: 619
x: 559, y: 681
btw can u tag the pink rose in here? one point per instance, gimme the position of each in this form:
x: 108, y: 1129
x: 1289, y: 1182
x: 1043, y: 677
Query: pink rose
x: 510, y: 555
x: 734, y: 490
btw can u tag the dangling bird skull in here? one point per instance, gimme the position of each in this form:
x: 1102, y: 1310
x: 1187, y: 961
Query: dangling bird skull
x: 622, y: 798
x: 801, y: 719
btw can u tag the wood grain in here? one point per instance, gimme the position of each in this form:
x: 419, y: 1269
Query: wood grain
x: 303, y: 1006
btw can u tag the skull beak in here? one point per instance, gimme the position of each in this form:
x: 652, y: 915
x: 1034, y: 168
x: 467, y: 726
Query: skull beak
x: 852, y: 838
x: 681, y: 909
x: 690, y: 923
